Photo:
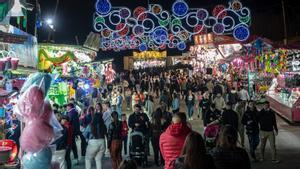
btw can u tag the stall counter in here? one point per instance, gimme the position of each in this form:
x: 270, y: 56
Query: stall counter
x: 290, y: 110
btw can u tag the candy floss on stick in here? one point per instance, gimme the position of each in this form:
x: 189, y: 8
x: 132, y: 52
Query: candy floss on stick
x: 40, y: 127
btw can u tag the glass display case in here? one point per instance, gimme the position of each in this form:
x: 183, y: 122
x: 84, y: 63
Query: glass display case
x: 284, y: 97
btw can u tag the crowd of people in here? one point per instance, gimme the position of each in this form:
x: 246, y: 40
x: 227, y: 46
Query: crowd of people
x: 155, y: 100
x: 100, y: 122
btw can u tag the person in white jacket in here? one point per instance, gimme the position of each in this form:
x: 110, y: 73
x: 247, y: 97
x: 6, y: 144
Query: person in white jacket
x: 149, y: 106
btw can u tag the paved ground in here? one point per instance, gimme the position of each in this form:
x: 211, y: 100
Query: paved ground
x: 288, y: 145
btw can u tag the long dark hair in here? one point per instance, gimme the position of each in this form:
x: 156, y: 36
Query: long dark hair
x: 194, y: 151
x: 96, y: 122
x: 228, y: 137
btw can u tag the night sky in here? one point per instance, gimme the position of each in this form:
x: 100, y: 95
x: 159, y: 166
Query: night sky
x: 75, y: 17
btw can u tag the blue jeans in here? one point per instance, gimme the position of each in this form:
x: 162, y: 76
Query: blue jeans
x: 253, y: 143
x: 190, y: 110
x: 119, y: 110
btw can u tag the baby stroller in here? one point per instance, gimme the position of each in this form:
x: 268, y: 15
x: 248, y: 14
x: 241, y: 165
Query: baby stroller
x: 137, y: 148
x: 211, y: 133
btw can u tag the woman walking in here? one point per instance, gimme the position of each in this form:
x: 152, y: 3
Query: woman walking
x: 156, y: 131
x: 95, y: 134
x: 190, y: 103
x: 114, y: 140
x: 194, y: 154
x: 227, y: 155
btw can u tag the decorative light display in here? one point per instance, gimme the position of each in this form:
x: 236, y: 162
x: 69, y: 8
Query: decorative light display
x: 155, y: 28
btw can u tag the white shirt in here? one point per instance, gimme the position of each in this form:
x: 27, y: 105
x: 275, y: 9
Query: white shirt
x: 107, y: 118
x: 243, y: 94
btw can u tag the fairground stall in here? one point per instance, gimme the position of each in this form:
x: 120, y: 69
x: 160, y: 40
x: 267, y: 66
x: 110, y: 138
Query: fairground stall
x: 18, y: 58
x: 146, y: 59
x: 284, y: 92
x: 209, y: 49
x: 66, y: 62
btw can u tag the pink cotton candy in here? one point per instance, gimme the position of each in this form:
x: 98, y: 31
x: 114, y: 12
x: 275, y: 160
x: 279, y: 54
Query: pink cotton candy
x: 37, y: 134
x: 47, y: 113
x: 31, y: 102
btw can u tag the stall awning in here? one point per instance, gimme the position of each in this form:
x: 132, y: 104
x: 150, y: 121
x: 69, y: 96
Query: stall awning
x: 12, y: 38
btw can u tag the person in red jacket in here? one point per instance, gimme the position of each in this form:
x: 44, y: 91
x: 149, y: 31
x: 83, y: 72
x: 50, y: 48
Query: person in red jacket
x: 172, y: 140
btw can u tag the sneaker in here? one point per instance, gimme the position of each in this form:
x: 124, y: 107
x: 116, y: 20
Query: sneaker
x: 275, y: 161
x: 76, y: 162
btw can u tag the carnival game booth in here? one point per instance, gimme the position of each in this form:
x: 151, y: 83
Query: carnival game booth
x: 284, y: 93
x: 210, y: 49
x: 67, y: 63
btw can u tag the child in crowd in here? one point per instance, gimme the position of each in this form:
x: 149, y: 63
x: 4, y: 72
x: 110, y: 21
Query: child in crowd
x: 124, y: 133
x: 65, y: 142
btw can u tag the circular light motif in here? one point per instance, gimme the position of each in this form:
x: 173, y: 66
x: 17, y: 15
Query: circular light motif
x: 143, y: 47
x: 138, y: 30
x: 139, y: 13
x: 124, y: 13
x: 123, y: 30
x: 105, y: 33
x: 156, y: 9
x: 181, y: 46
x: 159, y: 36
x: 236, y: 5
x: 218, y: 28
x: 202, y: 14
x: 241, y: 33
x: 103, y: 7
x: 219, y: 11
x: 180, y: 8
x: 198, y: 28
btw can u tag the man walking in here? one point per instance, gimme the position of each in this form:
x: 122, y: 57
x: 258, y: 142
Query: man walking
x: 268, y: 130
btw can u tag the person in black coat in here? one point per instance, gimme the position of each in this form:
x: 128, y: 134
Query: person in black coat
x: 250, y: 120
x: 211, y: 115
x: 114, y: 140
x: 230, y: 117
x: 74, y: 120
x: 268, y: 131
x: 204, y: 104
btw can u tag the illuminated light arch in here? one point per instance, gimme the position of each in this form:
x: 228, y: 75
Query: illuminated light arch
x: 155, y: 28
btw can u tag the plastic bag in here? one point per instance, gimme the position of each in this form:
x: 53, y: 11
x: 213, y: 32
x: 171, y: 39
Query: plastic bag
x: 42, y: 80
x: 39, y: 160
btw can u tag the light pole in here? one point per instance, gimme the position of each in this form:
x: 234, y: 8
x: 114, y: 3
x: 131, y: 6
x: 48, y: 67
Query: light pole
x: 285, y: 40
x: 54, y: 15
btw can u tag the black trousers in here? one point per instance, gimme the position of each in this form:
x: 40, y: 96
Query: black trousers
x: 83, y: 145
x: 68, y: 158
x: 156, y: 150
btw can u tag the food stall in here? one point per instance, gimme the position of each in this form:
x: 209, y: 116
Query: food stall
x: 146, y: 59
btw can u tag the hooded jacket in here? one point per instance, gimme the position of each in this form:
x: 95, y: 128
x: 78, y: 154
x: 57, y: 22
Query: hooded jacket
x: 172, y: 141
